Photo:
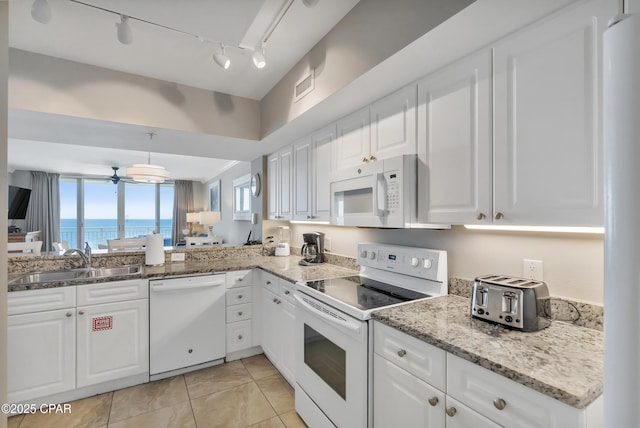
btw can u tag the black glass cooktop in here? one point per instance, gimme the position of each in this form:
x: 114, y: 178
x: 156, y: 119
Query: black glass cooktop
x: 364, y: 293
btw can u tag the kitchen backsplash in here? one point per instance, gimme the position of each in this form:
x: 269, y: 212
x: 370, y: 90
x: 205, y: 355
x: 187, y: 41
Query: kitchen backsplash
x: 578, y: 313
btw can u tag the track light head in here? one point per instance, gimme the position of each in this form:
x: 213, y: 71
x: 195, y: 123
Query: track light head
x: 41, y: 11
x: 258, y: 59
x: 310, y: 3
x: 221, y: 58
x: 124, y: 30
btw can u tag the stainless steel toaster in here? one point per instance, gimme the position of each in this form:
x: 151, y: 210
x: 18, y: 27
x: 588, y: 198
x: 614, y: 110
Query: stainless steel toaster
x: 519, y: 303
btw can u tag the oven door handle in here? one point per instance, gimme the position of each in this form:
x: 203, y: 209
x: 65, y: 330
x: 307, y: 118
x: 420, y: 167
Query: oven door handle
x: 352, y: 326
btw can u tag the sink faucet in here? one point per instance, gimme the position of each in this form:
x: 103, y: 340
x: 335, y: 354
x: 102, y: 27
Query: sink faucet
x: 86, y: 258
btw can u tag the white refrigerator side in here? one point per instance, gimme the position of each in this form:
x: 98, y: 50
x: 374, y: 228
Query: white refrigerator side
x: 622, y: 237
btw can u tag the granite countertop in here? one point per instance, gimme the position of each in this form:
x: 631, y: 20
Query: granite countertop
x: 284, y: 267
x: 562, y: 361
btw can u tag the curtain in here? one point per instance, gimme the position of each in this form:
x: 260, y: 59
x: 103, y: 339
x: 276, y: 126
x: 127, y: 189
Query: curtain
x: 43, y: 213
x: 182, y: 204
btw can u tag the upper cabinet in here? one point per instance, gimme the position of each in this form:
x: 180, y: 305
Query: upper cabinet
x: 538, y: 161
x: 548, y: 138
x: 382, y: 130
x: 279, y: 169
x: 311, y: 167
x: 455, y: 134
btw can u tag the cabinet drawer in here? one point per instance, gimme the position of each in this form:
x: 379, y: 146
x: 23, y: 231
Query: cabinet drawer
x: 240, y: 278
x: 235, y: 296
x: 415, y: 356
x: 108, y: 292
x: 479, y: 388
x: 239, y: 312
x: 271, y: 283
x: 238, y: 336
x: 286, y: 291
x: 47, y: 299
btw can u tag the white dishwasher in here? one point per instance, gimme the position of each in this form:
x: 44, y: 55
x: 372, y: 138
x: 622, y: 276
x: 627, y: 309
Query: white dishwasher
x: 187, y: 323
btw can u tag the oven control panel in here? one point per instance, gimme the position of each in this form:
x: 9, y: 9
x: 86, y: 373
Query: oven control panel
x: 418, y: 262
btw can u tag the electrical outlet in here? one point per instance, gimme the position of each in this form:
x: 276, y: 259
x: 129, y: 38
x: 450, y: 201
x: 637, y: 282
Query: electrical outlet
x: 327, y: 244
x: 532, y: 269
x: 177, y: 257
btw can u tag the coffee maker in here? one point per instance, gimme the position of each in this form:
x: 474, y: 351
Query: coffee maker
x: 313, y: 248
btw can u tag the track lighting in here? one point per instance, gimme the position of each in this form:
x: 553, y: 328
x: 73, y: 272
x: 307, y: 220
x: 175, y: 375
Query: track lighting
x: 124, y: 30
x: 41, y: 11
x: 310, y: 3
x: 221, y: 58
x: 258, y: 58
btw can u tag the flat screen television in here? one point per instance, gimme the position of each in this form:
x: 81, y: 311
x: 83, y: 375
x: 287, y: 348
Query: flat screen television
x: 18, y: 202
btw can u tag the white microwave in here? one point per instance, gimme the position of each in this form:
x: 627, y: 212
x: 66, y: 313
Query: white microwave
x: 376, y: 194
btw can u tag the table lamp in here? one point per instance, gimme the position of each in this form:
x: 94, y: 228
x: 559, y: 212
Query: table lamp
x: 209, y: 218
x: 192, y: 218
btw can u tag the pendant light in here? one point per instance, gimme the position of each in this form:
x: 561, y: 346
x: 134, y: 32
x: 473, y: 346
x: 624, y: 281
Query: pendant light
x: 124, y: 30
x: 147, y: 173
x: 41, y: 11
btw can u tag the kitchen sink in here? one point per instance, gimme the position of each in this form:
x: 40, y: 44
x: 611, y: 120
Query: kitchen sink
x: 67, y: 275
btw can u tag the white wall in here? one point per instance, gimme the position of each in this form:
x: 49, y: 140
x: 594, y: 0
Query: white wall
x: 233, y: 231
x: 573, y: 263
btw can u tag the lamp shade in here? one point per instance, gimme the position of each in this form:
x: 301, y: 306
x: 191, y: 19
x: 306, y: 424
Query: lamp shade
x: 193, y: 217
x: 146, y: 173
x: 209, y: 217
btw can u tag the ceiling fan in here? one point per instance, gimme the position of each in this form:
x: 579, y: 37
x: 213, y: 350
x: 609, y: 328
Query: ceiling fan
x: 115, y: 178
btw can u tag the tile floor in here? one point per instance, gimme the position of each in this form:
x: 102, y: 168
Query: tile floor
x: 245, y: 393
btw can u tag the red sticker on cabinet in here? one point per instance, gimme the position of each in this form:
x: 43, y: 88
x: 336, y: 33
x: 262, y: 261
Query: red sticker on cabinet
x: 102, y: 323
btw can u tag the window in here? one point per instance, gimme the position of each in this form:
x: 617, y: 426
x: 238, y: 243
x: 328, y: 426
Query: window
x: 242, y: 198
x: 95, y: 211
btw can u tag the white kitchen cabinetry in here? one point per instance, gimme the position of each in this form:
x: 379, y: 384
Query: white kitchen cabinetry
x: 312, y: 165
x: 455, y: 143
x: 241, y: 302
x: 280, y: 186
x: 278, y: 321
x: 416, y: 384
x: 112, y: 331
x: 548, y: 127
x: 41, y: 343
x: 385, y: 129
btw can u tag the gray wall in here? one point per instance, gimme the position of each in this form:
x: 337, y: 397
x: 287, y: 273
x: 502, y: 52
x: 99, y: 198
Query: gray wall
x: 258, y: 205
x: 4, y: 78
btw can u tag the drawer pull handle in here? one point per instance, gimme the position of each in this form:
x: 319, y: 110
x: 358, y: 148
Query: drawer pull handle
x: 239, y: 296
x: 81, y: 312
x: 278, y: 301
x: 275, y: 300
x: 499, y: 216
x: 287, y: 292
x: 240, y: 313
x: 451, y: 411
x: 268, y: 282
x: 239, y: 279
x: 239, y: 337
x: 69, y: 314
x: 402, y: 353
x: 190, y: 351
x: 480, y: 216
x: 433, y: 401
x: 499, y: 403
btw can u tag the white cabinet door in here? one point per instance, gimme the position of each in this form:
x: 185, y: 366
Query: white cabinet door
x: 285, y: 202
x: 41, y: 354
x: 352, y: 143
x: 272, y: 186
x: 460, y: 416
x: 112, y: 341
x: 455, y: 143
x: 286, y: 327
x: 548, y: 145
x: 401, y: 399
x: 270, y: 333
x: 321, y: 143
x: 302, y: 176
x: 393, y: 124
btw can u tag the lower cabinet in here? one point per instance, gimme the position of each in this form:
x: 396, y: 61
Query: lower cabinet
x: 278, y: 324
x: 240, y: 301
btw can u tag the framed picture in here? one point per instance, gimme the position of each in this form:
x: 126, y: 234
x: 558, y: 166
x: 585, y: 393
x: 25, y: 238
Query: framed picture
x: 214, y: 196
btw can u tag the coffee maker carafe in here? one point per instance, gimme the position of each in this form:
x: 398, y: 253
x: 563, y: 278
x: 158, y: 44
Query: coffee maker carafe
x: 313, y: 248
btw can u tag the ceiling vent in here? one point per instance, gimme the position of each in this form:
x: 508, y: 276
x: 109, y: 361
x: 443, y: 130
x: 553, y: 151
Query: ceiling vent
x: 304, y: 86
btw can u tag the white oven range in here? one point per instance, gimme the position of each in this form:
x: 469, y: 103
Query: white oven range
x: 333, y: 344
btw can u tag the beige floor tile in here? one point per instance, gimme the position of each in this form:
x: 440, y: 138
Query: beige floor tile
x: 292, y: 420
x: 14, y: 421
x: 147, y: 397
x: 259, y: 366
x: 278, y: 392
x: 274, y: 422
x: 215, y: 379
x: 89, y: 412
x: 176, y: 416
x: 238, y: 407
